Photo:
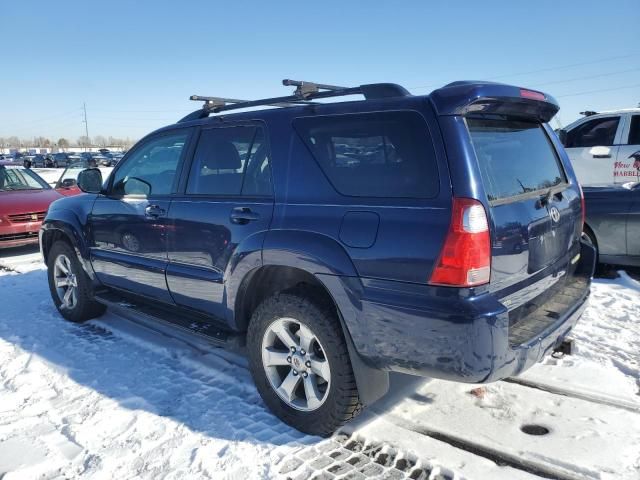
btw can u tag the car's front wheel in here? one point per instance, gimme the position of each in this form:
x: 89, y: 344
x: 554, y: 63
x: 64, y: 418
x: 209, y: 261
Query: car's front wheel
x: 300, y: 364
x: 70, y: 286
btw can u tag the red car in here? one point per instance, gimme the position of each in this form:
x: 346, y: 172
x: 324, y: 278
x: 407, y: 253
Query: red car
x: 24, y: 201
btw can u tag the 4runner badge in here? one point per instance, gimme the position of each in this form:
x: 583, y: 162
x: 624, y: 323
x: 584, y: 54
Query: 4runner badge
x: 554, y: 213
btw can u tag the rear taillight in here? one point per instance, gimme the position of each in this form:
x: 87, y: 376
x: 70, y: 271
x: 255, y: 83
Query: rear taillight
x: 465, y: 259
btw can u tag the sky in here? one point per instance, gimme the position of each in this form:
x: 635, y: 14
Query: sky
x: 135, y: 63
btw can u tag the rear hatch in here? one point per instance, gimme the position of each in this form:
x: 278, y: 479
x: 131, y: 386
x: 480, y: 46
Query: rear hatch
x: 535, y: 213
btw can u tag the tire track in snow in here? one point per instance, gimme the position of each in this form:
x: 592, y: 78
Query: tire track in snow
x: 573, y: 394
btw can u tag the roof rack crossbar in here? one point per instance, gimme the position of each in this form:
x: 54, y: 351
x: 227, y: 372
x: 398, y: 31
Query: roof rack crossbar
x: 216, y: 102
x: 305, y: 91
x: 289, y: 99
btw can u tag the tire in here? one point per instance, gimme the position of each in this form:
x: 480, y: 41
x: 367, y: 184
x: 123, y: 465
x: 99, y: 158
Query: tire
x: 83, y: 307
x: 26, y: 164
x: 55, y: 165
x: 336, y: 401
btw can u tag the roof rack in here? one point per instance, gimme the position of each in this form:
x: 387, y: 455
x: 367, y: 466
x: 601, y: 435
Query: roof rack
x: 305, y: 91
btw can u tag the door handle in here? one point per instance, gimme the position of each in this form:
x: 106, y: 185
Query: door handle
x: 243, y: 215
x: 154, y: 211
x: 600, y: 152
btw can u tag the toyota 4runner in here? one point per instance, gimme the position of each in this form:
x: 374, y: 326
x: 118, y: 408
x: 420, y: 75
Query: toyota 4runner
x: 434, y: 235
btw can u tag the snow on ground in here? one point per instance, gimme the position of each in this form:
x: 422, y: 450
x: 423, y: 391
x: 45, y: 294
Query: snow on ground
x: 115, y: 399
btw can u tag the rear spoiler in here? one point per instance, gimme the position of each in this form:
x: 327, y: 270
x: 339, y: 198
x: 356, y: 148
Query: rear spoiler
x: 465, y: 98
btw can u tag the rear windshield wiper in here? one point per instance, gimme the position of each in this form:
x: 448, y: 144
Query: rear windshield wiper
x: 546, y: 197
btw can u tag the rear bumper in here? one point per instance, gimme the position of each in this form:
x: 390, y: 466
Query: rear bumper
x: 437, y: 332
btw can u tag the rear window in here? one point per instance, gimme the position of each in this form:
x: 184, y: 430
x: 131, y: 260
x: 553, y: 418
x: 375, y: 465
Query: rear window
x: 381, y: 154
x: 515, y: 157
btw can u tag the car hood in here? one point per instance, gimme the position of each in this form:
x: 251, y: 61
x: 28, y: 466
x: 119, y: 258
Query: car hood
x: 26, y: 201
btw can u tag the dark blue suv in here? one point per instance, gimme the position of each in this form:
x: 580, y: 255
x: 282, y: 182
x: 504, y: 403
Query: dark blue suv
x: 435, y: 235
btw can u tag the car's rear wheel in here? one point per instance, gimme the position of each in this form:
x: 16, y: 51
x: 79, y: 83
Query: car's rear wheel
x: 70, y: 286
x: 300, y: 364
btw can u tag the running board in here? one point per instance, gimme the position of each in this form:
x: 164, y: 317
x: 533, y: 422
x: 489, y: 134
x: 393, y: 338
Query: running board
x: 179, y: 322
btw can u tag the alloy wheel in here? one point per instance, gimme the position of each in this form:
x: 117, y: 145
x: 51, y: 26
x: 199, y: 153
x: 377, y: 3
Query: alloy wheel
x: 295, y: 364
x: 66, y: 282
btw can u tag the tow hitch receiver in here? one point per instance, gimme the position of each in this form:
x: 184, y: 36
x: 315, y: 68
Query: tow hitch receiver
x: 565, y: 348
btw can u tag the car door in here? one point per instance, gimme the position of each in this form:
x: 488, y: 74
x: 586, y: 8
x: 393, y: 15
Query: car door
x: 628, y: 159
x: 129, y: 223
x: 227, y: 201
x: 592, y: 149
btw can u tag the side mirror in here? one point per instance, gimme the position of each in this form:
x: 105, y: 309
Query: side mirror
x: 68, y: 183
x: 562, y: 136
x: 90, y: 180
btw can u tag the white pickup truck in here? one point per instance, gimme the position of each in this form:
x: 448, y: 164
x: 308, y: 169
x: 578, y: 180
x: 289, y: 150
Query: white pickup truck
x: 604, y: 147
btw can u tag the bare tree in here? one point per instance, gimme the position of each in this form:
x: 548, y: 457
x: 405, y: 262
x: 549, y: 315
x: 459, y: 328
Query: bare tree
x: 100, y: 141
x: 14, y: 142
x: 84, y: 141
x: 63, y: 143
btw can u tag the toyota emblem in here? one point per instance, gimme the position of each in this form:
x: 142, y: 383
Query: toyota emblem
x: 554, y: 213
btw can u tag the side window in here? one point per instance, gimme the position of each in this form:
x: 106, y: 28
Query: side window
x: 231, y: 161
x: 382, y: 154
x: 151, y: 169
x: 634, y: 131
x: 599, y: 132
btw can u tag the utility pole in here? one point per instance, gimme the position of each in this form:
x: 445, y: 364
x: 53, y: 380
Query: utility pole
x: 86, y: 125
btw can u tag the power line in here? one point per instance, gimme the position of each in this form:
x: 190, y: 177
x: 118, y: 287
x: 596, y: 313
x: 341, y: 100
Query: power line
x: 548, y: 69
x: 575, y: 79
x: 138, y: 111
x: 637, y: 85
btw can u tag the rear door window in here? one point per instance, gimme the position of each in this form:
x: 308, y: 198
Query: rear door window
x: 515, y: 157
x: 231, y: 161
x: 381, y: 154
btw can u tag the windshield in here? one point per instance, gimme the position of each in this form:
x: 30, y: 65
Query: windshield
x: 20, y: 179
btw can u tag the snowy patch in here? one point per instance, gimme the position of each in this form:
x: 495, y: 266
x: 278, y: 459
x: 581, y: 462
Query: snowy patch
x: 113, y: 398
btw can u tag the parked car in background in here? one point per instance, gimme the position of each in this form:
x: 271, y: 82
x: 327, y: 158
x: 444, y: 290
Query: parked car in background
x: 67, y: 184
x: 336, y: 268
x: 102, y: 160
x: 24, y: 200
x: 64, y: 159
x: 612, y: 224
x: 38, y: 161
x: 89, y: 158
x: 601, y: 146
